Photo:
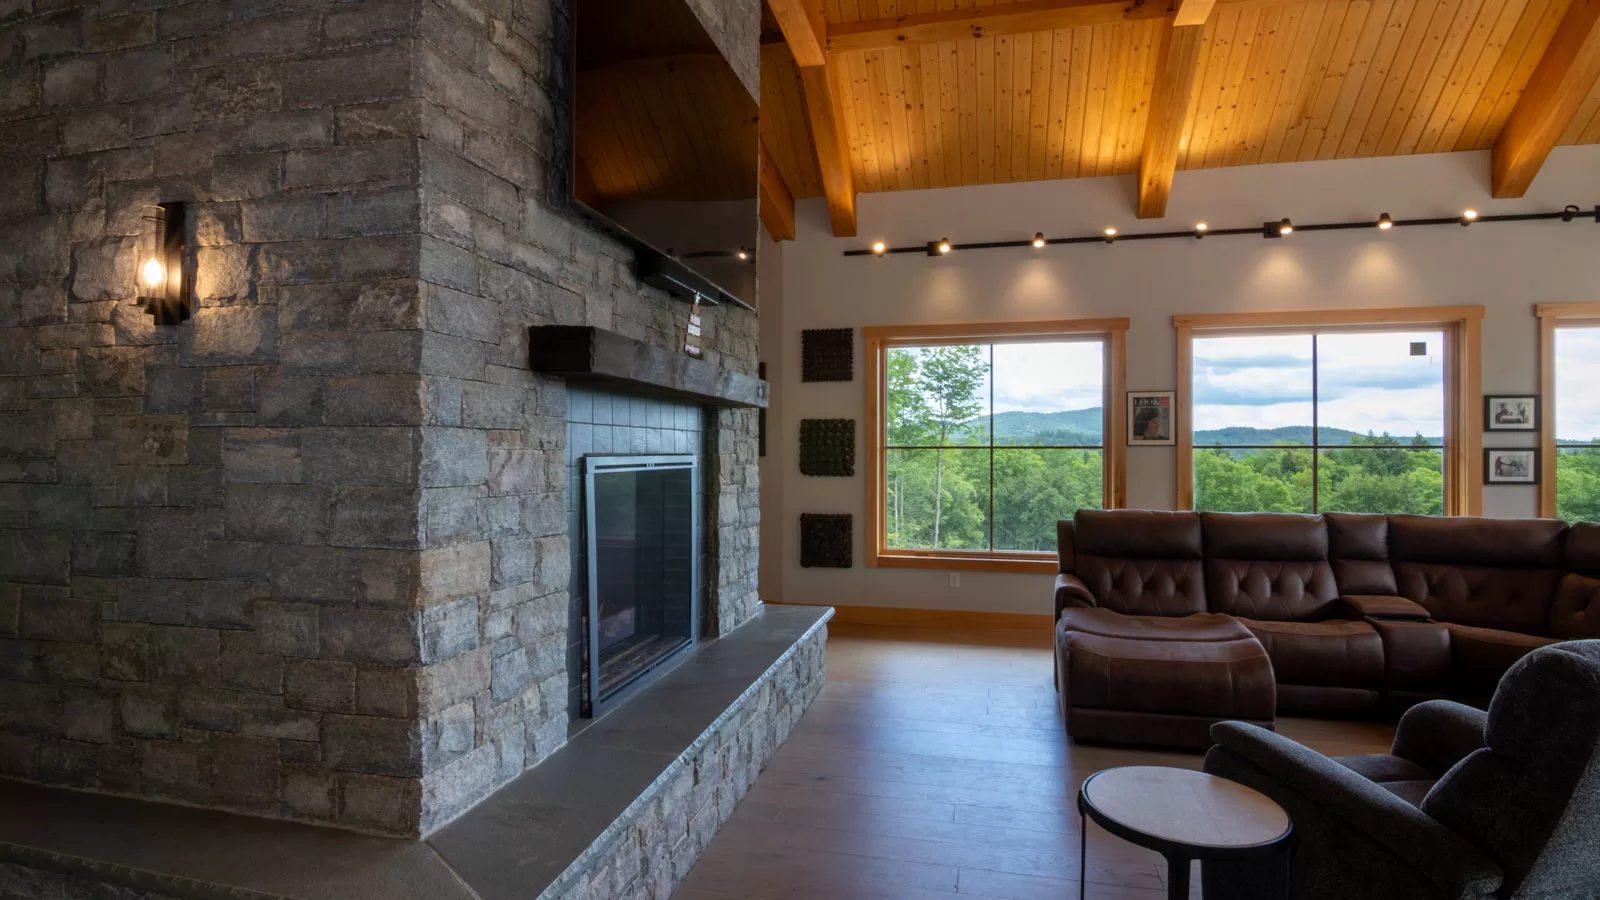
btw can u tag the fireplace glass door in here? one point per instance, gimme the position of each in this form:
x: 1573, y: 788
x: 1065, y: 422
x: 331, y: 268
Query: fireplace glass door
x: 641, y: 525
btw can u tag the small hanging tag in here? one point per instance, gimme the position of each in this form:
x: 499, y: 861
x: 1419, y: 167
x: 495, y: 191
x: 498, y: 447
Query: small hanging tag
x: 691, y: 342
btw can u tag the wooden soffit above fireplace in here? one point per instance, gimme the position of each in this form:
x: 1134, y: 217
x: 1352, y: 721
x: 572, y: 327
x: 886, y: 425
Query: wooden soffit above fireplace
x: 596, y: 356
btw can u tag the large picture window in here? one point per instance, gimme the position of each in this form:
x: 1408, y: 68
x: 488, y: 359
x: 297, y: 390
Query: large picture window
x: 1570, y: 344
x: 985, y: 436
x: 1324, y: 412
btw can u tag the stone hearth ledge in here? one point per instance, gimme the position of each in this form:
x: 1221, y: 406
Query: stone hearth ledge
x: 623, y: 809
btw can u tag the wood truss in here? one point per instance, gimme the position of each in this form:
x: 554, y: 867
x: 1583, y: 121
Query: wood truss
x: 1481, y: 51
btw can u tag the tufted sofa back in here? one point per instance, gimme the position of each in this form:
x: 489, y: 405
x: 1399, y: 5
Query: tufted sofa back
x: 1140, y: 562
x: 1270, y: 566
x: 1576, y: 613
x: 1485, y: 573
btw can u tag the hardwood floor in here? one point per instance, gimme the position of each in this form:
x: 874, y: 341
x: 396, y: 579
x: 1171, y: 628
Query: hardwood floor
x: 933, y: 767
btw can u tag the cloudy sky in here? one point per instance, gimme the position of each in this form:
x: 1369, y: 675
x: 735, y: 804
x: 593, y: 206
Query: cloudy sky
x: 1578, y: 384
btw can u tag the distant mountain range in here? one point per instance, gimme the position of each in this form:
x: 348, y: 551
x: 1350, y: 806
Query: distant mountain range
x: 1083, y: 426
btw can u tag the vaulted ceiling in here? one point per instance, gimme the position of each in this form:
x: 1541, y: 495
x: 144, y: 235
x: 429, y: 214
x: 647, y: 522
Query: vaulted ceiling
x: 882, y: 95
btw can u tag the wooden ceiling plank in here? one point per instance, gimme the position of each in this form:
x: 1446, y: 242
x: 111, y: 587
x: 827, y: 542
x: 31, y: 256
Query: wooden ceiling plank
x: 1283, y: 49
x: 1383, y: 59
x: 950, y: 111
x: 1004, y: 82
x: 984, y: 96
x: 1102, y: 49
x: 907, y: 141
x: 1256, y: 81
x: 1141, y: 87
x: 1075, y: 49
x: 1216, y: 41
x: 1039, y: 93
x: 1287, y: 109
x: 1115, y: 109
x: 833, y: 159
x: 1581, y: 121
x: 1472, y: 94
x: 913, y: 115
x: 1010, y: 18
x: 1394, y: 82
x: 777, y: 201
x: 1317, y: 66
x: 1475, y: 134
x: 894, y: 144
x: 803, y: 29
x: 1021, y: 104
x: 1327, y: 91
x: 970, y: 135
x: 929, y: 105
x: 1350, y: 83
x: 1591, y: 132
x: 1457, y: 78
x: 1565, y: 76
x: 1233, y: 87
x: 1440, y: 45
x: 1177, y: 64
x: 1227, y: 49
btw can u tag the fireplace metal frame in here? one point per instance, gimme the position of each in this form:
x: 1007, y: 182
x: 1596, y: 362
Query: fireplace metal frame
x: 594, y: 464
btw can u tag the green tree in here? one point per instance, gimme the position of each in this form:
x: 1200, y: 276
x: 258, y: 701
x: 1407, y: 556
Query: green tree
x: 949, y: 380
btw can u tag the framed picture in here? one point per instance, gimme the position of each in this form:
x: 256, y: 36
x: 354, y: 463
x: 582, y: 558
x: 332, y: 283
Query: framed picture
x: 1518, y: 412
x: 1510, y: 465
x: 1152, y: 418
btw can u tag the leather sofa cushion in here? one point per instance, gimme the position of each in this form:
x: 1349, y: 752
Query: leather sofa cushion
x: 1138, y: 534
x: 1198, y: 627
x: 1416, y: 655
x: 1506, y: 598
x: 1066, y: 546
x: 1583, y: 548
x: 1576, y: 613
x: 1269, y: 589
x: 1264, y: 536
x: 1358, y: 536
x: 1335, y: 653
x: 1468, y: 541
x: 1479, y: 656
x: 1144, y: 587
x: 1225, y: 679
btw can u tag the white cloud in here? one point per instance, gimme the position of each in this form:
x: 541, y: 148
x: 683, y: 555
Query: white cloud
x: 1577, y: 401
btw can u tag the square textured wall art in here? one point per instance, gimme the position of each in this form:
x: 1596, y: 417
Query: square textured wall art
x: 827, y: 354
x: 828, y: 447
x: 825, y: 541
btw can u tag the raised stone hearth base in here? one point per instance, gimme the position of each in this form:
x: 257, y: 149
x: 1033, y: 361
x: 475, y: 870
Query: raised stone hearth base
x: 622, y: 810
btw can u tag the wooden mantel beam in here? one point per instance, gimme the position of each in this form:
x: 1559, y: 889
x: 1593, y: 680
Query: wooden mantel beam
x: 1565, y: 75
x: 777, y: 202
x: 1177, y: 67
x: 1014, y: 18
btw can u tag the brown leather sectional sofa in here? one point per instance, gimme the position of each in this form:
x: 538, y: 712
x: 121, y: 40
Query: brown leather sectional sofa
x: 1170, y: 621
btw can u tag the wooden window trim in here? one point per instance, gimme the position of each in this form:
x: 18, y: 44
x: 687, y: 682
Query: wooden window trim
x: 1463, y: 421
x: 1114, y: 459
x: 1553, y: 316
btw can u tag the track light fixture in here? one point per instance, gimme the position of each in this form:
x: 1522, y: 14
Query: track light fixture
x: 1271, y: 229
x: 743, y: 254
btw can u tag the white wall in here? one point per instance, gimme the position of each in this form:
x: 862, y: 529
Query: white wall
x: 770, y: 468
x: 1506, y: 267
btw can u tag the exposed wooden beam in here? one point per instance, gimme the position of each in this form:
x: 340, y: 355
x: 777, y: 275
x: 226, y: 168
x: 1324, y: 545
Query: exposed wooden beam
x: 1013, y: 18
x: 1192, y: 12
x: 833, y: 156
x: 1565, y: 75
x: 1177, y: 62
x: 777, y: 203
x: 803, y: 28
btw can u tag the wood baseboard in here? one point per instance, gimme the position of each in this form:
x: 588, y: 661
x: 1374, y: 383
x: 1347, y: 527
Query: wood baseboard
x: 952, y: 619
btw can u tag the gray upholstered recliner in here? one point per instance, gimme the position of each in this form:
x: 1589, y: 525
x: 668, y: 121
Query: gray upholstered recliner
x: 1469, y: 804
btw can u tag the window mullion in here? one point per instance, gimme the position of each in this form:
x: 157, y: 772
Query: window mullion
x: 1316, y: 431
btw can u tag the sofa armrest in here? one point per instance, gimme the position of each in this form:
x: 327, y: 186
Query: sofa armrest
x: 1438, y: 734
x: 1381, y: 606
x: 1071, y: 591
x: 1437, y: 853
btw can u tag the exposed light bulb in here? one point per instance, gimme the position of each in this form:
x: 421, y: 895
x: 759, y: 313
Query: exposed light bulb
x: 1468, y: 216
x: 155, y: 274
x: 944, y: 246
x: 1111, y: 232
x: 743, y: 254
x: 1038, y: 239
x: 1200, y: 229
x: 880, y: 248
x: 1286, y: 227
x: 1384, y: 222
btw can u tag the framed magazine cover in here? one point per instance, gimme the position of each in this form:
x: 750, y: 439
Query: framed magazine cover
x: 1152, y: 418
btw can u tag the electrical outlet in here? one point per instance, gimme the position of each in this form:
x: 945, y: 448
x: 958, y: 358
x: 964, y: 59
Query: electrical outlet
x: 955, y: 579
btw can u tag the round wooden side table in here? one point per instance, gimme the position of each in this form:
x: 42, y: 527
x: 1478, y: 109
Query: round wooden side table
x: 1183, y: 815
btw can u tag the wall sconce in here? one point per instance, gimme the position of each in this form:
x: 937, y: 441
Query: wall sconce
x: 165, y: 283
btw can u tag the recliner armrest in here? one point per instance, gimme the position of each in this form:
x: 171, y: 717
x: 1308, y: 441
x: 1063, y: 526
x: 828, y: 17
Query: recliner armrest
x: 1071, y: 591
x: 1438, y: 734
x: 1435, y: 851
x: 1382, y: 606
